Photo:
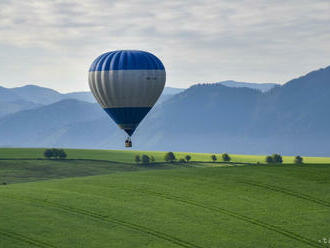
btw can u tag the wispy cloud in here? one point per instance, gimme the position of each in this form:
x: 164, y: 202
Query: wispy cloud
x: 53, y: 42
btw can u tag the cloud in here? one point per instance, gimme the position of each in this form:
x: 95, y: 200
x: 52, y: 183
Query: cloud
x: 199, y: 41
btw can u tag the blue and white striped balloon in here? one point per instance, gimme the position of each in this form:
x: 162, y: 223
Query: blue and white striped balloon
x: 127, y: 84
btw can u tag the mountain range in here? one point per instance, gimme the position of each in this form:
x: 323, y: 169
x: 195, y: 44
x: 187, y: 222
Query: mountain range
x: 293, y: 118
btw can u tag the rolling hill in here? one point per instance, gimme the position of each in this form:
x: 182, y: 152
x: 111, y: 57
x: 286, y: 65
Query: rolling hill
x: 94, y: 199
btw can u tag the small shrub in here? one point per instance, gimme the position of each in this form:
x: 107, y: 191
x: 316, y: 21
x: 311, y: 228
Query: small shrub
x: 188, y: 158
x: 213, y: 157
x: 226, y: 157
x: 4, y: 183
x: 298, y: 160
x: 170, y: 157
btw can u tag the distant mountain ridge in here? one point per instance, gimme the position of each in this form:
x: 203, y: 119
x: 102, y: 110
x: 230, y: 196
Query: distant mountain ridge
x: 264, y: 87
x: 16, y: 99
x: 289, y: 119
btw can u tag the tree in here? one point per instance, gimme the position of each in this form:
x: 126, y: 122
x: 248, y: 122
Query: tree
x: 298, y: 160
x: 269, y: 159
x: 188, y: 157
x: 48, y: 153
x: 62, y: 154
x: 170, y: 157
x: 213, y: 157
x: 277, y: 158
x: 145, y: 159
x: 55, y: 153
x: 137, y: 159
x: 226, y: 157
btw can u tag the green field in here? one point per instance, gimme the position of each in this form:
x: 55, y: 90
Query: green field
x: 100, y: 198
x: 128, y: 156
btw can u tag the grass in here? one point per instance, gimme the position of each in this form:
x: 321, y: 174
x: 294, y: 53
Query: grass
x: 16, y: 171
x: 118, y: 204
x: 128, y: 156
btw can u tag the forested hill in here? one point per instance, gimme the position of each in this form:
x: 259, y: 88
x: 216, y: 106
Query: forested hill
x: 289, y: 119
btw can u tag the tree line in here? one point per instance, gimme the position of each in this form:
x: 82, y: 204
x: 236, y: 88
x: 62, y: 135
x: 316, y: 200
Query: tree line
x: 225, y: 157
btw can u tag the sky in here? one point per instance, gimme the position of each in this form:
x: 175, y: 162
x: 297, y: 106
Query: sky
x: 52, y: 43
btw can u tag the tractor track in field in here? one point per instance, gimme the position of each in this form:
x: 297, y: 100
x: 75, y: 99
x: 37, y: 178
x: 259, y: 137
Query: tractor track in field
x: 107, y: 219
x: 288, y: 192
x: 25, y: 239
x: 167, y: 237
x: 236, y: 215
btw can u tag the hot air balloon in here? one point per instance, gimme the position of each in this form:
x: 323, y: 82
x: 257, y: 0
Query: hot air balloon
x: 127, y: 84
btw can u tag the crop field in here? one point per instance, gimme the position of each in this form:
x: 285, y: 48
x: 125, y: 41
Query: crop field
x: 128, y: 156
x: 99, y: 198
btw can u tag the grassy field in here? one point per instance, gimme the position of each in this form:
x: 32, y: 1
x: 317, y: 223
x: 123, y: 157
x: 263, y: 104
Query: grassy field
x: 128, y: 156
x: 90, y: 203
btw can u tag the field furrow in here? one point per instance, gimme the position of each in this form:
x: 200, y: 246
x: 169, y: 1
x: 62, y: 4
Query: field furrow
x: 288, y: 192
x: 107, y: 219
x: 236, y: 215
x: 25, y: 239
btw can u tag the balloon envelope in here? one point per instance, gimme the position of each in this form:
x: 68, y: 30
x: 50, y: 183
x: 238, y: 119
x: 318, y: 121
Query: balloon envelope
x: 127, y: 84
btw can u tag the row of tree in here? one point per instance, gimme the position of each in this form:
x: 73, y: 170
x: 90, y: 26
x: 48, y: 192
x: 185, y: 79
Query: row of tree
x: 55, y: 153
x: 171, y: 158
x: 144, y: 159
x: 277, y: 159
x: 225, y: 157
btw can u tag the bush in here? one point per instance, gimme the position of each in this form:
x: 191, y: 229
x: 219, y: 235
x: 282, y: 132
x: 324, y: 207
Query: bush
x: 188, y: 157
x: 213, y: 157
x: 182, y: 160
x: 269, y: 159
x: 277, y: 158
x: 226, y: 157
x: 137, y: 159
x: 170, y: 157
x: 152, y: 159
x: 298, y: 160
x: 145, y: 159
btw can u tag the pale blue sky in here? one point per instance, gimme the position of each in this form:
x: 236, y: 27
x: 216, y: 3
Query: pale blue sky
x: 53, y: 43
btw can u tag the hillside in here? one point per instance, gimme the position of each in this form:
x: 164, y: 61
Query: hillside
x: 290, y: 119
x: 99, y: 201
x: 45, y: 125
x: 27, y: 97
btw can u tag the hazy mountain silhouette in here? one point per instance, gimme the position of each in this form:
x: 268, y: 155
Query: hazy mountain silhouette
x: 290, y: 119
x: 16, y: 99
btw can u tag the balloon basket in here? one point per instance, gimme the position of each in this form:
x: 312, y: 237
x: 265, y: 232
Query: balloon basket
x: 128, y: 143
